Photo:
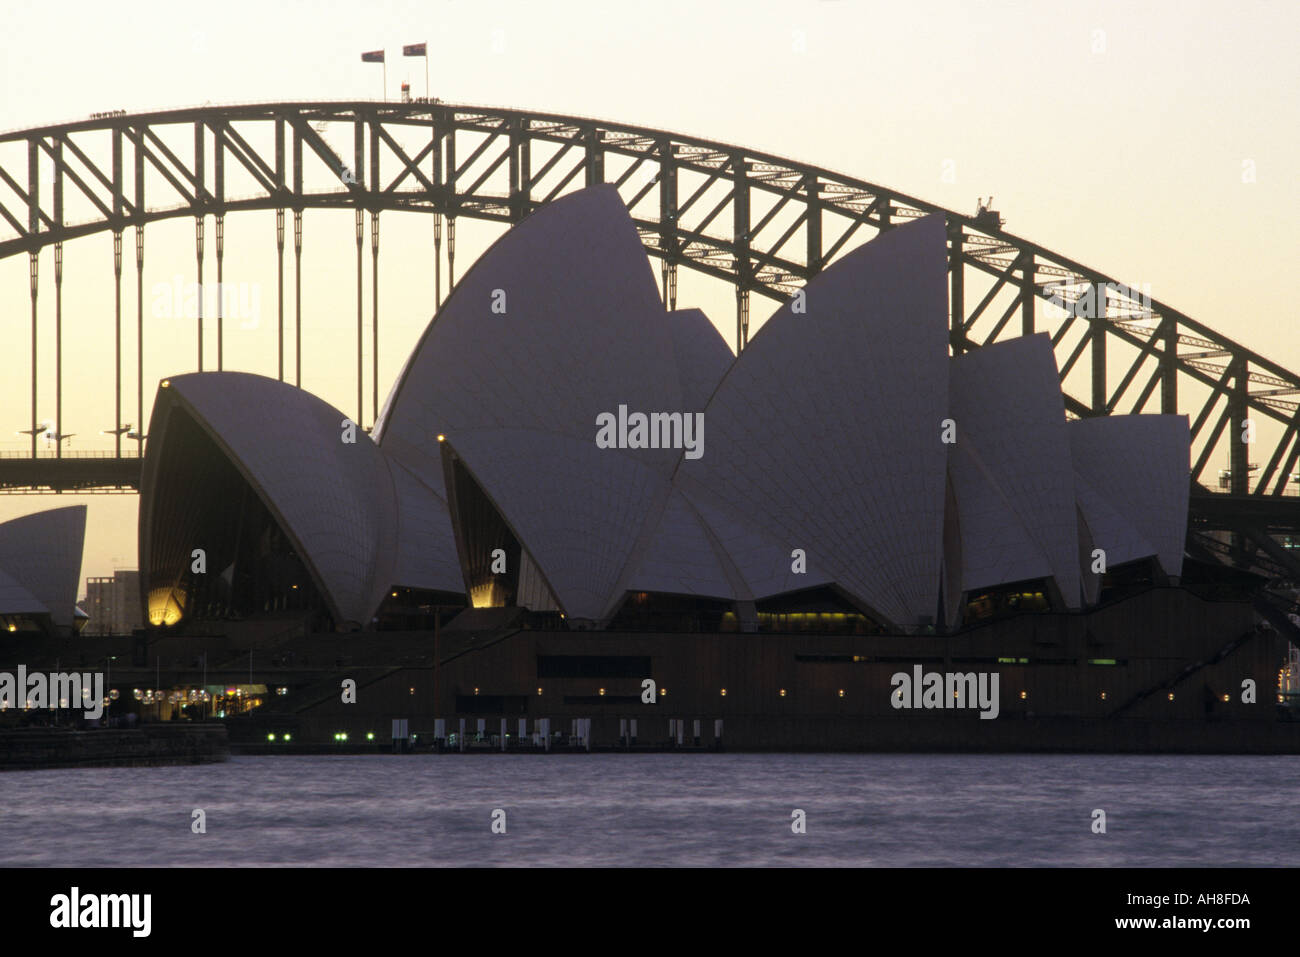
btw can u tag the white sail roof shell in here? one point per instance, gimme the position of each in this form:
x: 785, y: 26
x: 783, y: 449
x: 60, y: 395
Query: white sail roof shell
x: 996, y: 547
x: 334, y: 499
x: 1011, y: 466
x: 700, y: 355
x: 17, y: 600
x: 825, y: 431
x: 1139, y: 464
x: 558, y: 321
x: 1123, y: 542
x: 41, y: 554
x: 556, y: 324
x: 578, y: 509
x: 685, y: 557
x: 426, y: 545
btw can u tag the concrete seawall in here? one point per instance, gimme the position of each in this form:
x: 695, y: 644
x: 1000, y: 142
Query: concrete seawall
x: 151, y: 745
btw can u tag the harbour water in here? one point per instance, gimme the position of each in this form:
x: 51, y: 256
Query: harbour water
x: 660, y: 810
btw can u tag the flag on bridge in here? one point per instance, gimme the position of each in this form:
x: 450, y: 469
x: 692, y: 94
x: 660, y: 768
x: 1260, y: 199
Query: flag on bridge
x: 374, y: 56
x: 420, y: 49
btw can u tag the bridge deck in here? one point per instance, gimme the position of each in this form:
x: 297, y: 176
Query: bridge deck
x: 86, y: 472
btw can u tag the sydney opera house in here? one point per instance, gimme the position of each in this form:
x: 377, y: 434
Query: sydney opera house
x: 843, y: 460
x: 566, y: 461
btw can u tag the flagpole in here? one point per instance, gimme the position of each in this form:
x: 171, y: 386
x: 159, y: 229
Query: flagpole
x: 384, y: 95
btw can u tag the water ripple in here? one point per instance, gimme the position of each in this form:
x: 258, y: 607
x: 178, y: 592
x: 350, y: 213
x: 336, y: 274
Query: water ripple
x: 660, y: 810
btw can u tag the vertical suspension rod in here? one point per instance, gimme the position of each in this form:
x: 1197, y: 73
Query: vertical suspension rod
x: 33, y: 267
x: 198, y: 256
x: 436, y: 159
x: 117, y: 344
x: 437, y: 261
x: 451, y: 254
x: 58, y: 300
x: 361, y: 411
x: 374, y: 312
x: 139, y: 339
x: 58, y: 346
x: 279, y: 266
x: 220, y: 220
x: 742, y: 319
x: 297, y: 297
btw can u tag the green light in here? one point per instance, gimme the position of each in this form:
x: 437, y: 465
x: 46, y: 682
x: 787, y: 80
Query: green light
x: 370, y: 735
x: 270, y: 737
x: 287, y: 738
x: 1101, y: 661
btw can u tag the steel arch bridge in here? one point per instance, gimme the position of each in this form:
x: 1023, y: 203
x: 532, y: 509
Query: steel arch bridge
x: 759, y: 222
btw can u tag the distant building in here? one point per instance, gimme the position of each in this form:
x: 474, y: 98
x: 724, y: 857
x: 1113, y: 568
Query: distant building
x: 113, y: 604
